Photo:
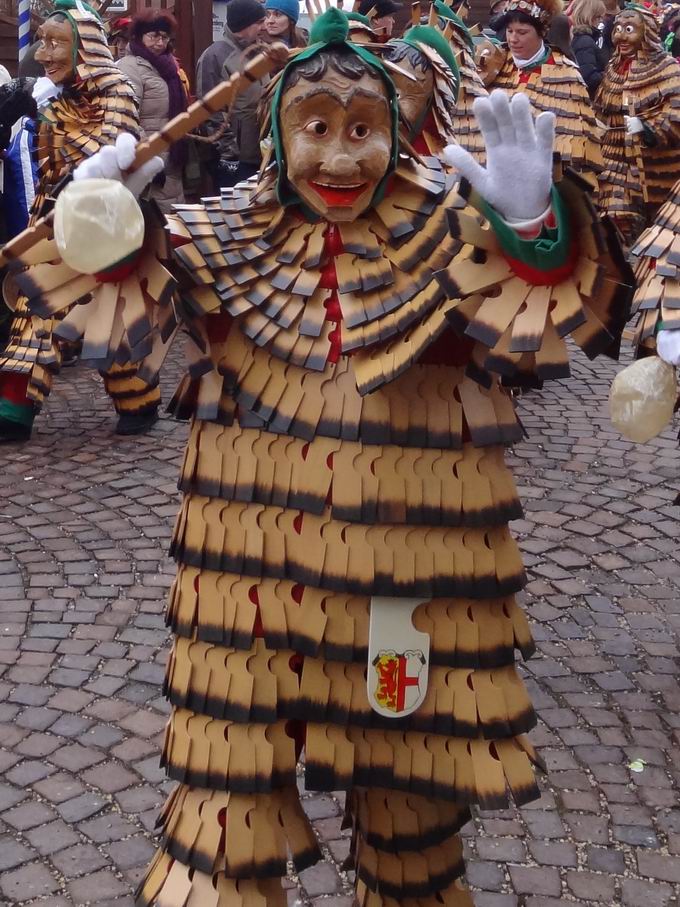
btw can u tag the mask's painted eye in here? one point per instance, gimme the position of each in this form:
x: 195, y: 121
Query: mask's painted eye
x: 630, y: 29
x: 317, y: 127
x: 360, y: 131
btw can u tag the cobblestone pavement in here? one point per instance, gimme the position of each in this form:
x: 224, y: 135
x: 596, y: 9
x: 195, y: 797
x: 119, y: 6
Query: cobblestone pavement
x: 85, y: 520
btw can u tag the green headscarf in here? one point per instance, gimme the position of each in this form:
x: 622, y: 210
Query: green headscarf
x: 431, y: 37
x: 330, y: 31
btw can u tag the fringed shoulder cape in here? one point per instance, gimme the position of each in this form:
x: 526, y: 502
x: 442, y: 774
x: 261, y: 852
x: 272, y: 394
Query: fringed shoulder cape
x: 557, y: 85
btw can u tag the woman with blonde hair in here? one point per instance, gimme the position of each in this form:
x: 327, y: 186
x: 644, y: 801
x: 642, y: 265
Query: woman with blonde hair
x: 587, y: 43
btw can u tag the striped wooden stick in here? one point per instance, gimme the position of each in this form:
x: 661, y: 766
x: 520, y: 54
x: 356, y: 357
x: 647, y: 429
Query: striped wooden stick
x: 219, y: 98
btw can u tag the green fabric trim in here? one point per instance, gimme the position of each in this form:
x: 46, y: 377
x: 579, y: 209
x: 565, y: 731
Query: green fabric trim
x: 447, y: 13
x: 330, y: 30
x: 548, y: 251
x: 65, y: 6
x: 23, y: 413
x: 430, y: 37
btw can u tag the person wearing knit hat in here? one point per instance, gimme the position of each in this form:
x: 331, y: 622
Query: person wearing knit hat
x: 281, y: 21
x: 154, y: 72
x: 245, y: 18
x: 245, y: 26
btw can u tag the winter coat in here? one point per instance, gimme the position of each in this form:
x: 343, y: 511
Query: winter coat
x: 592, y: 57
x: 209, y: 74
x: 243, y: 116
x: 151, y: 91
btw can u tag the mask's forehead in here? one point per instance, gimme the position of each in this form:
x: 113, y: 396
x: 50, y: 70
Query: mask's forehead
x: 334, y: 87
x: 56, y: 30
x: 629, y: 17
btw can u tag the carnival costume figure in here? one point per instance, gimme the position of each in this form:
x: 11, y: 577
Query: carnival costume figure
x: 551, y: 81
x: 639, y: 103
x: 427, y: 80
x: 88, y: 105
x: 465, y: 126
x: 346, y: 578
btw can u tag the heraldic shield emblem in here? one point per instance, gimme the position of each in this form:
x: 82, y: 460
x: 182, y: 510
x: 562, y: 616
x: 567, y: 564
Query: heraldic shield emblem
x: 398, y: 658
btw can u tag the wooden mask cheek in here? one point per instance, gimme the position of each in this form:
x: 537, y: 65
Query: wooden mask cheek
x: 55, y: 52
x: 414, y: 97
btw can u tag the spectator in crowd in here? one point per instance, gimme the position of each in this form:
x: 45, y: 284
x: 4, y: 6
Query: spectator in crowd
x: 383, y: 20
x: 245, y: 23
x: 281, y: 22
x: 155, y: 75
x: 588, y: 41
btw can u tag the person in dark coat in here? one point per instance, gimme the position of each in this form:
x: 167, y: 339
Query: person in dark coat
x: 587, y: 42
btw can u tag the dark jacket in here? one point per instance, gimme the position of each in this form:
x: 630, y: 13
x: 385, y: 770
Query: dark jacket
x: 209, y: 74
x: 209, y: 66
x: 591, y: 56
x: 243, y: 116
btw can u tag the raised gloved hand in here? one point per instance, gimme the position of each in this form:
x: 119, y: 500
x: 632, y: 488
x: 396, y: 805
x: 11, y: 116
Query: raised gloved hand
x: 633, y: 125
x: 668, y: 346
x: 112, y: 161
x: 44, y: 90
x: 518, y: 175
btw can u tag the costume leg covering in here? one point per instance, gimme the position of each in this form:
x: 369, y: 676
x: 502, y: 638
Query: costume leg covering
x: 129, y: 393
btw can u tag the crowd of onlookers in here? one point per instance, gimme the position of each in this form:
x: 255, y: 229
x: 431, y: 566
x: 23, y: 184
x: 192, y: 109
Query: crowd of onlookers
x: 227, y: 149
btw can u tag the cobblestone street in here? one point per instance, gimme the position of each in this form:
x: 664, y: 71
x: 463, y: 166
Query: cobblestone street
x: 85, y: 521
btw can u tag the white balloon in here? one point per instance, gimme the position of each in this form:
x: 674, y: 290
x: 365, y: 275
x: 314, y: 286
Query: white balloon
x: 642, y: 398
x: 97, y: 224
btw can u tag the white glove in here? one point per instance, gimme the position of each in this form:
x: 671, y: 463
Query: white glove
x: 633, y: 125
x: 44, y: 90
x: 668, y: 346
x: 518, y: 175
x: 112, y: 161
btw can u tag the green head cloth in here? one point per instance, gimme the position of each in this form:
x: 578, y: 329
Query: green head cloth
x: 330, y: 32
x: 434, y: 39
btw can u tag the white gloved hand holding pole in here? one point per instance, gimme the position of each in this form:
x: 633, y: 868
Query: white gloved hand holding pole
x: 517, y: 179
x: 668, y: 346
x: 634, y: 125
x: 113, y: 161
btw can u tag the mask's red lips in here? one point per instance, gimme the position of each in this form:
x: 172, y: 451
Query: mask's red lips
x: 341, y: 196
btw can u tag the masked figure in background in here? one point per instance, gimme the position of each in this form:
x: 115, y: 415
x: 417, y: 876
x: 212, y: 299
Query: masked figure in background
x: 346, y: 577
x: 465, y: 127
x: 91, y: 104
x: 551, y: 81
x: 639, y: 103
x: 427, y: 81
